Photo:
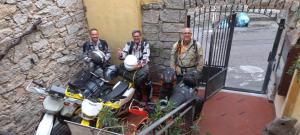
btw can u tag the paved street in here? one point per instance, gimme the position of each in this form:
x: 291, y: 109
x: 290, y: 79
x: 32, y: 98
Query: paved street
x: 250, y: 49
x: 249, y: 54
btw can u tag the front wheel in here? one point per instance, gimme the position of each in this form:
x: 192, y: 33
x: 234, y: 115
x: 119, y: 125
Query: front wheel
x: 60, y: 128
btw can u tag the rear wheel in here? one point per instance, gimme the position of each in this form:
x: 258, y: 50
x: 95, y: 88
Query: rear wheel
x: 60, y: 128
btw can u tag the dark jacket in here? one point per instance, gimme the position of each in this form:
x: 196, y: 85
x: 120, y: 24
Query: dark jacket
x: 102, y: 45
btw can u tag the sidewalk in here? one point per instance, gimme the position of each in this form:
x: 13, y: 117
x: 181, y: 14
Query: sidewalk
x: 235, y: 114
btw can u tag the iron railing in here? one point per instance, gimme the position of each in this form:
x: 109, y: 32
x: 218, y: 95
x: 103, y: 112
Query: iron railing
x: 185, y: 110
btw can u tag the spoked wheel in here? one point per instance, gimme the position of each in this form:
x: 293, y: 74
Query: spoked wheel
x: 60, y: 128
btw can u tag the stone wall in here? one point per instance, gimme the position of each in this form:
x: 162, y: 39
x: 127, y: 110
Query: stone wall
x: 162, y: 23
x: 48, y: 55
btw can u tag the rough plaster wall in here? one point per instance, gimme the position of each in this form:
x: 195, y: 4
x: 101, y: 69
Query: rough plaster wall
x: 49, y: 55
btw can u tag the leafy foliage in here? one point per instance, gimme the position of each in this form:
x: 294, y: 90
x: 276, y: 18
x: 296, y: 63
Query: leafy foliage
x: 160, y: 111
x: 108, y: 119
x: 294, y: 66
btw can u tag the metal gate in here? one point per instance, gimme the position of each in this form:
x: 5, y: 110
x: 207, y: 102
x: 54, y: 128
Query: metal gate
x: 213, y: 28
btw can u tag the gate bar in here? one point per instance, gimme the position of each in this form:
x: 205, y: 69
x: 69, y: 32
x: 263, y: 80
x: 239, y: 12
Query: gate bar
x: 272, y: 55
x: 232, y: 24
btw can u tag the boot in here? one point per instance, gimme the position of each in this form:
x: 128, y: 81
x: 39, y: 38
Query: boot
x: 149, y: 90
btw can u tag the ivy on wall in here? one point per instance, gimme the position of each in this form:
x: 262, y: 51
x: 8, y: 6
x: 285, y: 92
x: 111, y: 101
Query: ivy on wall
x: 294, y: 66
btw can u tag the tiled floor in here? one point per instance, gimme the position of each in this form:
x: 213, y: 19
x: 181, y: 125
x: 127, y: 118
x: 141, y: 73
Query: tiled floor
x: 235, y: 114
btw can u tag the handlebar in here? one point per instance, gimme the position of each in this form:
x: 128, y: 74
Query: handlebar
x: 39, y: 90
x: 98, y: 77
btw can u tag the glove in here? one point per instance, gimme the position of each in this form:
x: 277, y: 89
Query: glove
x: 87, y: 59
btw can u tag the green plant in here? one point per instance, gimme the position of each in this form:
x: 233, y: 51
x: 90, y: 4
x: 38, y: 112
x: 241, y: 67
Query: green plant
x: 109, y: 120
x: 297, y: 16
x: 160, y: 111
x: 175, y: 129
x: 294, y: 66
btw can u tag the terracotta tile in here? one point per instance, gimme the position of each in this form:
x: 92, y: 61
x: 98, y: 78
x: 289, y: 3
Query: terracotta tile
x: 235, y: 114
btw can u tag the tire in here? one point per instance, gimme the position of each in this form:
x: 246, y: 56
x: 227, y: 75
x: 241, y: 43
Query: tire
x: 60, y: 128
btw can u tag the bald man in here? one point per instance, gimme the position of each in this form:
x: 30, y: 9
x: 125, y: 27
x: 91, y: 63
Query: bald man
x: 186, y: 55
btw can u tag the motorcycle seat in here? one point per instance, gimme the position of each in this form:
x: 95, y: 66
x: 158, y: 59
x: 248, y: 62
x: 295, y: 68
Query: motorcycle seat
x: 117, y: 91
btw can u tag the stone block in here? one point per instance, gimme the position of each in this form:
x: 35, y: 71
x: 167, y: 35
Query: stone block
x: 4, y: 24
x: 157, y: 60
x: 33, y: 37
x: 155, y: 44
x: 156, y: 6
x: 73, y: 28
x: 56, y: 55
x: 169, y: 36
x: 166, y: 53
x: 5, y: 33
x: 65, y: 3
x: 41, y: 4
x: 16, y: 82
x: 63, y: 21
x: 66, y: 59
x: 63, y: 69
x: 155, y: 52
x: 55, y: 11
x: 182, y: 17
x: 57, y: 44
x: 25, y: 4
x: 66, y: 52
x: 166, y: 62
x: 27, y: 62
x: 70, y: 39
x: 170, y: 15
x: 7, y: 10
x: 151, y: 28
x: 11, y: 1
x: 21, y: 50
x: 48, y: 29
x: 175, y: 4
x: 39, y: 46
x: 168, y: 45
x: 79, y: 17
x: 5, y: 76
x: 151, y: 36
x: 20, y: 18
x: 150, y: 16
x: 45, y: 54
x: 172, y: 27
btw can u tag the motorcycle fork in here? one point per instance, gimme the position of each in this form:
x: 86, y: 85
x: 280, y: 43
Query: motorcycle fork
x: 85, y: 122
x: 99, y: 118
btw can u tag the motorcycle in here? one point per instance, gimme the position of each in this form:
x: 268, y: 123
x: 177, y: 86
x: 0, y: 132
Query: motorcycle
x: 183, y: 91
x: 64, y: 103
x: 118, y: 100
x: 54, y: 103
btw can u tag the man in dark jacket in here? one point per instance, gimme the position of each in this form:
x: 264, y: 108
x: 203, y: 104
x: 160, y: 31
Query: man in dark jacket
x: 96, y: 44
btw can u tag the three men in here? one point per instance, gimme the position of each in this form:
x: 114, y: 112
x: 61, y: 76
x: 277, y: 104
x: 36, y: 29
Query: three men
x: 186, y: 54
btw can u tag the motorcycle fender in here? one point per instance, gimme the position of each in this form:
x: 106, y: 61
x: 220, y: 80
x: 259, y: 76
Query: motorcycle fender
x: 128, y: 94
x: 45, y: 125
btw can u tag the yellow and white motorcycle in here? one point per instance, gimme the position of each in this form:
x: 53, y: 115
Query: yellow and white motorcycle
x: 118, y: 100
